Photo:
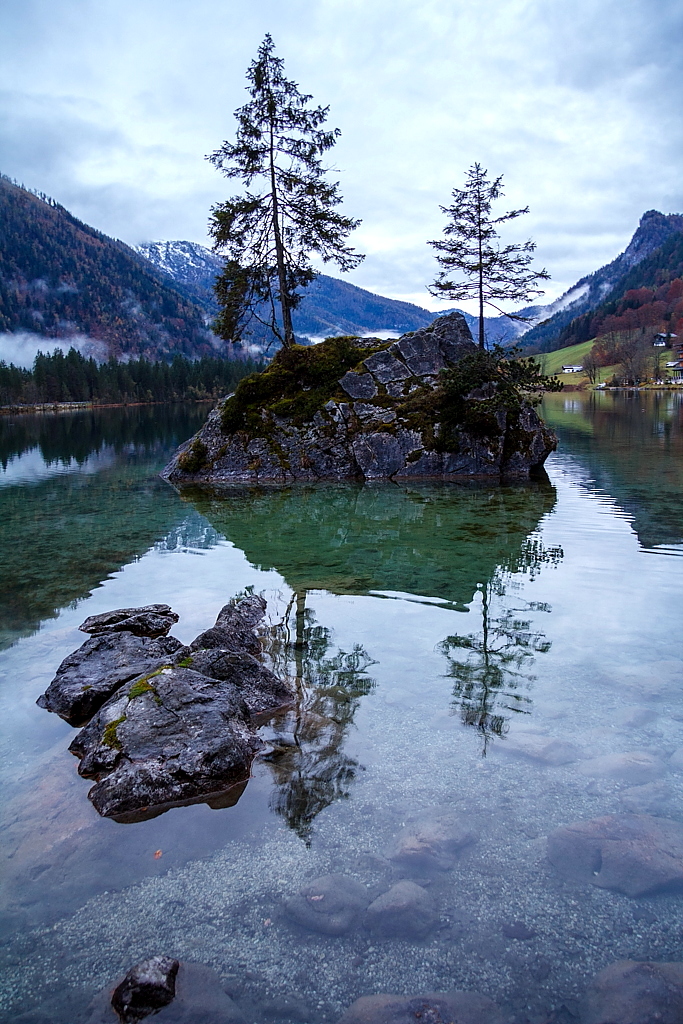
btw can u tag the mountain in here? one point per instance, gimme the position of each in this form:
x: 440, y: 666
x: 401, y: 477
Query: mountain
x: 328, y: 307
x: 60, y: 278
x: 589, y: 293
x: 649, y: 295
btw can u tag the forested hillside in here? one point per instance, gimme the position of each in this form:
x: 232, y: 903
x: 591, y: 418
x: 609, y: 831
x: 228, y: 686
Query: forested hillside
x: 656, y: 231
x: 650, y: 295
x: 61, y: 278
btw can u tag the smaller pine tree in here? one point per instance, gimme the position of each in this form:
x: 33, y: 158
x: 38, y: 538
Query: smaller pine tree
x: 493, y: 272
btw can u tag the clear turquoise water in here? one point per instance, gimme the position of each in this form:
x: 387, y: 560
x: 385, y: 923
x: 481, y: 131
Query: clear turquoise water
x: 442, y: 625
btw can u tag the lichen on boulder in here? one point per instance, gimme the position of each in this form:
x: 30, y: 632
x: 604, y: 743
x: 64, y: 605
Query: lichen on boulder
x: 427, y: 405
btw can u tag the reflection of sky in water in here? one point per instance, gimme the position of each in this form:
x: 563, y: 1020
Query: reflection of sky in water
x: 30, y: 467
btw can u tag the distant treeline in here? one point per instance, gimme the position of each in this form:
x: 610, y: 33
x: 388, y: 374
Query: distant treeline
x: 74, y: 378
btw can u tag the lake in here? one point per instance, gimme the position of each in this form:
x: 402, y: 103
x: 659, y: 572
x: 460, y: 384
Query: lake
x: 452, y: 639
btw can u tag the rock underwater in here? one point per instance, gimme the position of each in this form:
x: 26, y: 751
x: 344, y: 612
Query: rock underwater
x: 171, y: 724
x: 361, y: 408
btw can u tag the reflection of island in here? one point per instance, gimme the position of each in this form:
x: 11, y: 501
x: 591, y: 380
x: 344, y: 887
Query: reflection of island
x: 631, y: 446
x: 63, y: 535
x: 436, y: 541
x: 310, y: 768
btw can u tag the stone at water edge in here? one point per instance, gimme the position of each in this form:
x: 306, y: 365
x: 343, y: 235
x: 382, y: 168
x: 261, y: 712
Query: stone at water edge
x: 635, y: 992
x: 331, y: 904
x: 149, y: 620
x: 636, y: 854
x: 199, y: 999
x: 431, y: 1008
x: 89, y: 676
x: 146, y: 988
x: 405, y: 911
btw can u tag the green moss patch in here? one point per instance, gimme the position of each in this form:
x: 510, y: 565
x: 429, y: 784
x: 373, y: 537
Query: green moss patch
x: 195, y: 459
x: 110, y: 737
x: 298, y: 382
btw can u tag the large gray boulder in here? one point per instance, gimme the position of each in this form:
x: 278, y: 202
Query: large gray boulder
x: 89, y: 676
x: 365, y: 424
x: 174, y: 726
x: 171, y: 737
x: 635, y: 992
x: 636, y: 854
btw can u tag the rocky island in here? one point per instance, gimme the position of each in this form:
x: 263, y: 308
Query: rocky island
x: 429, y: 405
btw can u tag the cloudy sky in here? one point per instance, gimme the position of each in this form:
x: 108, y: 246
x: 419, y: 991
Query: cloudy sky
x: 110, y: 106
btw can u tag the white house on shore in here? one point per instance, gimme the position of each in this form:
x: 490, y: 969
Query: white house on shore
x: 572, y: 368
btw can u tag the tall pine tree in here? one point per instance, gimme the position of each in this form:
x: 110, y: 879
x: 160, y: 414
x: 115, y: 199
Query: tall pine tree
x: 493, y: 273
x: 287, y: 211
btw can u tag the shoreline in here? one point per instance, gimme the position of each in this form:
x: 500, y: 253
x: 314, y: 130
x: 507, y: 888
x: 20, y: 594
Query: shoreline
x: 59, y: 407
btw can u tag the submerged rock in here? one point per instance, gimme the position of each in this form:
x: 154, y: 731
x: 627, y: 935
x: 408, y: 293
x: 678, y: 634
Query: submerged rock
x: 362, y: 408
x: 632, y: 853
x: 538, y: 747
x: 89, y: 676
x: 198, y: 998
x: 635, y: 992
x: 331, y: 904
x: 433, y: 841
x: 432, y: 1008
x: 150, y: 620
x: 634, y: 766
x: 656, y: 798
x: 406, y: 911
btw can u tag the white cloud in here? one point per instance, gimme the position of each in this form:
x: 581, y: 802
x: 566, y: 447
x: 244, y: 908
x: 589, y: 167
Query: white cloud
x: 111, y: 108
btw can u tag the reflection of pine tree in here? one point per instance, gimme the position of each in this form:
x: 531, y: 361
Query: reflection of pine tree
x: 490, y: 667
x: 309, y: 765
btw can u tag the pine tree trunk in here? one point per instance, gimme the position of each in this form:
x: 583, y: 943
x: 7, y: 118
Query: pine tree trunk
x: 288, y: 340
x: 481, y: 289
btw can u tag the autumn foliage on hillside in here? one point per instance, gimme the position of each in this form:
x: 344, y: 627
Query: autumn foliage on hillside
x: 59, y: 277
